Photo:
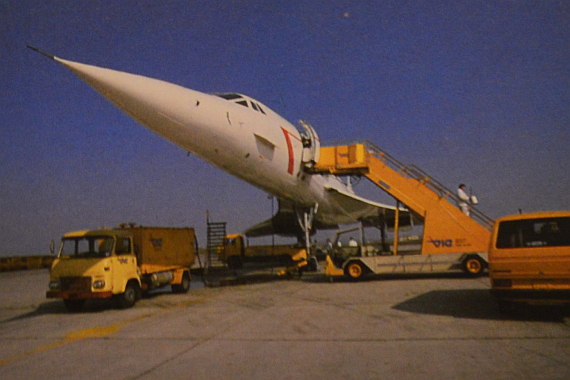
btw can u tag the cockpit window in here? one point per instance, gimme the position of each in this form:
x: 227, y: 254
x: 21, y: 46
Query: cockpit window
x: 242, y: 101
x: 230, y: 96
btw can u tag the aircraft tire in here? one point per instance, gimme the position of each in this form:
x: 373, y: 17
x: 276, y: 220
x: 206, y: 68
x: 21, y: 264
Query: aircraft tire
x: 313, y: 264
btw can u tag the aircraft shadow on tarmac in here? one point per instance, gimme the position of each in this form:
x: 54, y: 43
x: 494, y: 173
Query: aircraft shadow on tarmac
x: 479, y: 304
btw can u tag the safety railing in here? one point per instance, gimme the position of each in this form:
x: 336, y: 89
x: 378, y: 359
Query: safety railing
x: 412, y: 171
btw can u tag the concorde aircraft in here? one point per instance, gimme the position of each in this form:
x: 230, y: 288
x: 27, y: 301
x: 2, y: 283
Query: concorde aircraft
x: 245, y: 138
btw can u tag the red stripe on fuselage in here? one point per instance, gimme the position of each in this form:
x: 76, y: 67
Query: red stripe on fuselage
x: 291, y: 166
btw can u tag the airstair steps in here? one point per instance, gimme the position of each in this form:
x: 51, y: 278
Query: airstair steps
x: 446, y: 228
x: 216, y: 236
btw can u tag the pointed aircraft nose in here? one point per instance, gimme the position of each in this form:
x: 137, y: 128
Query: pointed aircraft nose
x: 163, y: 107
x: 193, y: 120
x: 159, y: 105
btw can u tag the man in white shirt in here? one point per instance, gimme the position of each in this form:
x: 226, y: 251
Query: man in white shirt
x: 464, y: 199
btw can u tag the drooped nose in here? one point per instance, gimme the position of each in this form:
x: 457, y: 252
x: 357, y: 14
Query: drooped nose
x: 160, y: 106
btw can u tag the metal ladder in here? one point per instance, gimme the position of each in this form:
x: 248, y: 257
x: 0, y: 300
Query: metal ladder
x: 216, y: 236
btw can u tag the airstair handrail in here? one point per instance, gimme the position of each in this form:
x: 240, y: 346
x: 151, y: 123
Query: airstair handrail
x: 445, y: 192
x: 412, y: 171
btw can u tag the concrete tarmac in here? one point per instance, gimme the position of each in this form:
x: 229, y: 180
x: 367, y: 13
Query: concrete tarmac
x: 396, y: 327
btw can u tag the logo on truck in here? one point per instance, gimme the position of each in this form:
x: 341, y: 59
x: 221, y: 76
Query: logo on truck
x: 440, y: 243
x: 156, y: 244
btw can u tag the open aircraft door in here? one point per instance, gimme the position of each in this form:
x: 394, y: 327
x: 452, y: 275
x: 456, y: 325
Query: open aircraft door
x: 311, y: 145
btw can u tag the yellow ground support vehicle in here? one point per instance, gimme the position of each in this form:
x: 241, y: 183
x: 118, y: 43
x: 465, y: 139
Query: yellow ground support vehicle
x: 358, y: 258
x: 235, y: 253
x: 529, y: 258
x: 121, y: 263
x: 450, y: 238
x: 25, y: 262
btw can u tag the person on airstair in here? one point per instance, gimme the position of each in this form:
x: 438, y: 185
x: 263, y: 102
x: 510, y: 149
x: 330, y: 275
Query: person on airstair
x: 464, y: 199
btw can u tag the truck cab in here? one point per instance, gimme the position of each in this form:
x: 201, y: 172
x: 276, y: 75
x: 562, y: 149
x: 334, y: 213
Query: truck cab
x: 94, y: 264
x: 233, y: 251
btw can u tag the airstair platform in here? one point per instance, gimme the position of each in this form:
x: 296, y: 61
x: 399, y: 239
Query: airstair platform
x: 446, y: 228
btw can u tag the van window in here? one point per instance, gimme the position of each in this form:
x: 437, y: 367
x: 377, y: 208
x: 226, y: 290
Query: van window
x: 526, y: 233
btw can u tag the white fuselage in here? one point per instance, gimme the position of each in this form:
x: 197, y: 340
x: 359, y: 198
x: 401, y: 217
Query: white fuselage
x: 248, y: 141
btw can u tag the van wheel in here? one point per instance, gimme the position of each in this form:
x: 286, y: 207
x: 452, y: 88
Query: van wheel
x: 184, y: 286
x: 354, y: 270
x: 129, y: 297
x: 473, y: 265
x: 74, y: 306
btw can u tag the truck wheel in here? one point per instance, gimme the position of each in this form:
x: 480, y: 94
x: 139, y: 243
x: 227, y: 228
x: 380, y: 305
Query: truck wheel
x: 354, y: 270
x: 74, y: 306
x: 473, y: 265
x: 129, y: 297
x: 235, y: 262
x: 184, y: 286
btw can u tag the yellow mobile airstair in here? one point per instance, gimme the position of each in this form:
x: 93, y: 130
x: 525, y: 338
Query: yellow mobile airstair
x: 446, y: 228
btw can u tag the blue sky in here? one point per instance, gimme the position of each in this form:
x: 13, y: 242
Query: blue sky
x: 470, y: 91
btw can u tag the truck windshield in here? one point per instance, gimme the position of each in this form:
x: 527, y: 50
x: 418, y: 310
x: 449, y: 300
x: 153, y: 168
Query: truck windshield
x: 92, y: 246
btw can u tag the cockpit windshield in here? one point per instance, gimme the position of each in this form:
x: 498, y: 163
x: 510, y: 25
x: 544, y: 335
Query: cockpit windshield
x: 242, y: 101
x: 91, y: 246
x: 230, y: 96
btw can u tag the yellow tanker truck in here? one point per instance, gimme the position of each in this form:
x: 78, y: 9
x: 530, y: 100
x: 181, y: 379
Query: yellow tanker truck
x: 121, y: 263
